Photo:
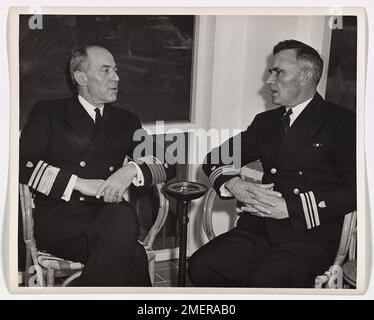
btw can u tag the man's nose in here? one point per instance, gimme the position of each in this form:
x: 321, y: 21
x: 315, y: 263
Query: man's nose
x: 115, y: 76
x: 270, y: 78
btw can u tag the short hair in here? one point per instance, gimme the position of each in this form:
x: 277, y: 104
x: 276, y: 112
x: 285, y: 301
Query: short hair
x: 304, y: 53
x: 78, y: 60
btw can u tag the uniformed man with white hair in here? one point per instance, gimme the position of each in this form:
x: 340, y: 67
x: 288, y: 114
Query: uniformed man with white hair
x: 74, y: 156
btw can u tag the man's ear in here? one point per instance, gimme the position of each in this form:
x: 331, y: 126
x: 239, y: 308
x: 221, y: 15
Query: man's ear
x: 306, y: 77
x: 80, y: 77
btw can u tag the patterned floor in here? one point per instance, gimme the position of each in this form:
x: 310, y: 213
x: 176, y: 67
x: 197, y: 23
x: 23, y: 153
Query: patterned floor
x: 167, y: 274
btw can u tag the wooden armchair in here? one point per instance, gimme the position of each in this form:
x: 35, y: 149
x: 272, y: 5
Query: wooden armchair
x: 344, y: 267
x: 42, y: 268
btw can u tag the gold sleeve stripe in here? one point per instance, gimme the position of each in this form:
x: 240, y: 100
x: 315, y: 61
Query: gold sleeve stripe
x: 229, y: 169
x: 156, y: 168
x: 47, y: 180
x: 43, y: 177
x: 39, y: 175
x: 306, y: 212
x: 34, y: 173
x: 311, y: 216
x: 315, y: 209
x: 161, y: 173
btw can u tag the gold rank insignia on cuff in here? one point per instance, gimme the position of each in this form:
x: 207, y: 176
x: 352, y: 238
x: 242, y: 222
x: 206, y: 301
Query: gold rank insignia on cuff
x: 156, y: 168
x: 43, y: 177
x: 310, y: 209
x: 224, y: 170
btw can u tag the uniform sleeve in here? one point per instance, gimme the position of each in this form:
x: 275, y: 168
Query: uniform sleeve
x: 155, y: 163
x: 315, y: 207
x: 225, y: 161
x: 34, y: 169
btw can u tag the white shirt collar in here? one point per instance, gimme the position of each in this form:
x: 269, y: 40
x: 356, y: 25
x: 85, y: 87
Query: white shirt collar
x: 90, y: 108
x: 296, y: 110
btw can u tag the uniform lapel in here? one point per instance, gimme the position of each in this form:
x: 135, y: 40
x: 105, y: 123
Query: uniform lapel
x: 306, y: 124
x: 272, y: 131
x: 79, y: 119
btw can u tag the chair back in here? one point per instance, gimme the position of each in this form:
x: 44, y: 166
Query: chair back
x: 27, y: 205
x: 31, y: 264
x: 347, y: 243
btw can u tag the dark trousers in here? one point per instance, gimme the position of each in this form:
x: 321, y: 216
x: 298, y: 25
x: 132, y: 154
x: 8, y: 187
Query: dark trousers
x: 108, y: 247
x: 241, y: 258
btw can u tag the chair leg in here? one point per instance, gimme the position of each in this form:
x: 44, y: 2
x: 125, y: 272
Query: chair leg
x: 71, y: 278
x: 152, y: 266
x: 320, y: 281
x: 50, y: 277
x: 27, y: 268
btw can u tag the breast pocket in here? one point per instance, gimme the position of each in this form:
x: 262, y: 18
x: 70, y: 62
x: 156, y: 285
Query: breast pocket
x: 316, y: 150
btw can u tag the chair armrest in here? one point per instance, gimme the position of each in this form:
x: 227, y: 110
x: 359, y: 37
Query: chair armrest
x: 246, y: 173
x: 332, y: 279
x: 162, y: 214
x: 207, y: 213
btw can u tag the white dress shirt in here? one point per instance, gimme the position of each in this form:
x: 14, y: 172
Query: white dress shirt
x: 296, y: 110
x: 90, y: 108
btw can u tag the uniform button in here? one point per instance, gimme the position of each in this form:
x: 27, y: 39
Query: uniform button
x: 273, y: 171
x: 111, y: 169
x: 213, y: 168
x: 82, y: 164
x: 296, y: 191
x: 166, y: 165
x: 300, y: 173
x: 81, y: 198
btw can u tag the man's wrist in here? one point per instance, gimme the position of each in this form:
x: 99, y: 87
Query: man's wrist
x: 230, y: 183
x: 133, y: 170
x: 78, y: 184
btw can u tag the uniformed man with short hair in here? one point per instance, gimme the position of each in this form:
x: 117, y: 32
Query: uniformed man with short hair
x: 290, y: 225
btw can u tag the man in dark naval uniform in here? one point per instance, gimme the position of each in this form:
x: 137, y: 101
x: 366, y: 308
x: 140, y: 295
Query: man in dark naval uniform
x: 290, y: 225
x: 74, y: 155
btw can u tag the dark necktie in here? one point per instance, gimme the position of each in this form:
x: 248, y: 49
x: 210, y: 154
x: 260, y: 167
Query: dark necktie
x: 286, y: 121
x: 97, y: 119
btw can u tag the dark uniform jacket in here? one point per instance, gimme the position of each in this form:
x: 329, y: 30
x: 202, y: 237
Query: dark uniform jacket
x: 59, y: 140
x: 313, y: 165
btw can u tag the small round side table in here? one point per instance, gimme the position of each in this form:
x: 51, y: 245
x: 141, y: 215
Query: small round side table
x: 184, y: 192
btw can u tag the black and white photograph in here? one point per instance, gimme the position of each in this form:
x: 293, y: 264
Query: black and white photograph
x: 187, y: 152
